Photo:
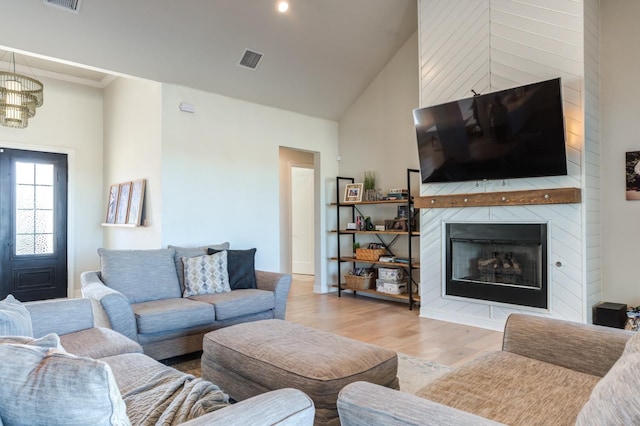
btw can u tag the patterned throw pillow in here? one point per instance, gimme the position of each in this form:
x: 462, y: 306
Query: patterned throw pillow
x: 206, y: 274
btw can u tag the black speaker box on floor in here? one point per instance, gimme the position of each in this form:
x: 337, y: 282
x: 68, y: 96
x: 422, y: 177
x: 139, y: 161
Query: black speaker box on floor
x: 610, y: 314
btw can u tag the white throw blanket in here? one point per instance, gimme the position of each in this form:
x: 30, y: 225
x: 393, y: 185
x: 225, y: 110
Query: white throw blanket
x: 171, y: 398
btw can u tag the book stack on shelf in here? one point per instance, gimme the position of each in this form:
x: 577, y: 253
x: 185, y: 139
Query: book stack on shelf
x: 397, y: 194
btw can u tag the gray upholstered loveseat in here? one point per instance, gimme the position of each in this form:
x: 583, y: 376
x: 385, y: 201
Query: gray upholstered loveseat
x: 58, y: 369
x: 549, y: 372
x: 139, y: 293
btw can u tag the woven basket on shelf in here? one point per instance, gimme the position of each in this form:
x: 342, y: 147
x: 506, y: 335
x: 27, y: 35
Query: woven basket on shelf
x: 356, y: 282
x: 369, y: 254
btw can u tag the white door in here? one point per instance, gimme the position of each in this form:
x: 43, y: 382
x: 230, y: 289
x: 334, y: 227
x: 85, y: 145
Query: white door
x: 302, y: 221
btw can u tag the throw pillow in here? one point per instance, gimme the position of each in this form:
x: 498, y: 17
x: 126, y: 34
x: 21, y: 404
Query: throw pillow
x: 41, y: 385
x: 613, y: 401
x: 241, y: 267
x: 633, y: 345
x: 205, y: 274
x: 192, y: 252
x: 15, y: 319
x: 49, y: 341
x: 141, y: 275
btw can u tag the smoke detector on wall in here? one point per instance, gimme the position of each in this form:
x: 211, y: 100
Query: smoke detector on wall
x: 69, y: 5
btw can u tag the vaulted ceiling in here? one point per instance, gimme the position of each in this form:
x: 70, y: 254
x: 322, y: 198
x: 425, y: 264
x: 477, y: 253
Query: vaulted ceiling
x: 317, y: 58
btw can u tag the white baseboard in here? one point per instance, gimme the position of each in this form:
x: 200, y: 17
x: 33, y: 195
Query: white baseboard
x: 457, y: 318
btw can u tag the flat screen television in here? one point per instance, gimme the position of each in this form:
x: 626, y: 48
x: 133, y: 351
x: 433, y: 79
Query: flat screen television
x: 513, y: 133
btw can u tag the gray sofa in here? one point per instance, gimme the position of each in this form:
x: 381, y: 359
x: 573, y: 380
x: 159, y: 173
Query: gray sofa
x: 139, y: 293
x: 548, y: 372
x: 68, y: 378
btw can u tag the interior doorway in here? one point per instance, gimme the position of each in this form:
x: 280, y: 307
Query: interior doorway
x: 302, y: 221
x: 298, y: 211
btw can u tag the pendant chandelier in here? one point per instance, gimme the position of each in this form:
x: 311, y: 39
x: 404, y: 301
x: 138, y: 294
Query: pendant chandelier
x: 19, y: 97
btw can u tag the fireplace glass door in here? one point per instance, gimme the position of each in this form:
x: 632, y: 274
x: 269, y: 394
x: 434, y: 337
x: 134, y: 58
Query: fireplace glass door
x: 499, y: 262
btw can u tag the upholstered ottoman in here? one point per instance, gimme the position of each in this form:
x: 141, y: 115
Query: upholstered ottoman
x: 256, y: 357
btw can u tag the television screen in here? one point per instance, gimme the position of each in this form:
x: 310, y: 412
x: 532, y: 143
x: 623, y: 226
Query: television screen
x: 512, y: 133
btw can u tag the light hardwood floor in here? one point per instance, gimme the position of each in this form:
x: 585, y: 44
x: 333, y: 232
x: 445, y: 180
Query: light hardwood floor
x: 388, y: 324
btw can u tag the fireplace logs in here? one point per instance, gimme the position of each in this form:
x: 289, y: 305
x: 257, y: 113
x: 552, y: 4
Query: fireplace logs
x: 500, y: 263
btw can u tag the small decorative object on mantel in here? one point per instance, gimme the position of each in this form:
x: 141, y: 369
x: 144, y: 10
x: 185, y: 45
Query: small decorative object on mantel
x: 125, y: 203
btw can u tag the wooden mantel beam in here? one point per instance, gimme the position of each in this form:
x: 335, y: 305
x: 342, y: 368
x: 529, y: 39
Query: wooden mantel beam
x: 502, y: 198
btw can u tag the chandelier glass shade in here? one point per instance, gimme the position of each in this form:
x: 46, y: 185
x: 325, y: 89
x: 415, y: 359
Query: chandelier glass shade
x: 19, y: 97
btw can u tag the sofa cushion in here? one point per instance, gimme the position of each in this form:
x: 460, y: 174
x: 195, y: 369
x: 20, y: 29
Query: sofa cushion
x: 241, y: 266
x: 192, y: 252
x: 98, y: 342
x: 15, y: 319
x: 239, y: 302
x: 205, y: 274
x: 513, y: 389
x: 141, y: 275
x: 172, y: 314
x: 42, y: 385
x: 614, y: 400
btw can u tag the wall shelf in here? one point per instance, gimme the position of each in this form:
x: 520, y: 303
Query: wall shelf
x: 120, y: 225
x: 502, y: 198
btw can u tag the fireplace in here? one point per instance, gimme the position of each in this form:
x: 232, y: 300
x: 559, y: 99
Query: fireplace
x: 497, y: 262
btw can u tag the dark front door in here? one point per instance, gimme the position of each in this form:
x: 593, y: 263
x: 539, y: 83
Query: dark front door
x: 33, y: 224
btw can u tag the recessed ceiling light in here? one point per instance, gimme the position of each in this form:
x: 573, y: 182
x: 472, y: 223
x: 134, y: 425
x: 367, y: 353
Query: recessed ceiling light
x: 283, y: 6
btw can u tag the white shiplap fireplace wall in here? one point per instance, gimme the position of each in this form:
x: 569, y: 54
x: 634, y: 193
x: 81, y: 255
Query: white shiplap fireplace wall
x: 489, y: 45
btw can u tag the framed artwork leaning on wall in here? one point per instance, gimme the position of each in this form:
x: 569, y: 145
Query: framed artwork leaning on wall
x: 136, y: 202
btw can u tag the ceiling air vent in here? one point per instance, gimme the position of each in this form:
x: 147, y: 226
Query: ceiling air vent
x: 70, y: 5
x: 250, y: 59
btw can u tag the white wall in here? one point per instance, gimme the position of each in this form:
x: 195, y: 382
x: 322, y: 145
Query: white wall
x: 377, y: 131
x: 220, y: 169
x: 620, y: 93
x: 70, y: 122
x: 492, y: 45
x: 132, y: 150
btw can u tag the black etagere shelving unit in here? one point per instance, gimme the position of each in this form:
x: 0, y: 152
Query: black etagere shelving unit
x: 387, y: 238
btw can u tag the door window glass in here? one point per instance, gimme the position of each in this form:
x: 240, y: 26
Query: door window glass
x: 34, y: 208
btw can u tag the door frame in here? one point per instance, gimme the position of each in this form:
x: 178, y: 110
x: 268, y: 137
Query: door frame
x: 71, y: 213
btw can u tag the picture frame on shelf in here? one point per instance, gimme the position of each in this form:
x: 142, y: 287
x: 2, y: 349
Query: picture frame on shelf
x: 123, y: 203
x: 353, y: 193
x: 136, y: 202
x: 396, y: 225
x: 112, y: 204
